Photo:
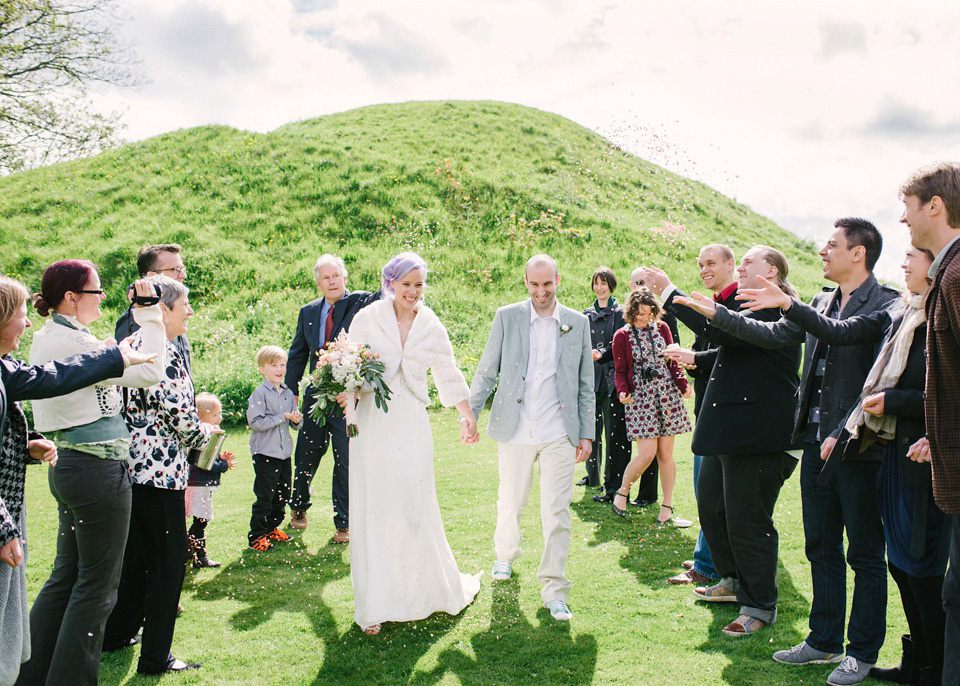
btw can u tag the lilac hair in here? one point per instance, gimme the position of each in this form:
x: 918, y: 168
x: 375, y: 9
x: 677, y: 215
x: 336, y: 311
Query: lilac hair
x: 398, y: 267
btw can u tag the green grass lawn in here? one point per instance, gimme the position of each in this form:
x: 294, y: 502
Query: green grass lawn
x: 286, y: 617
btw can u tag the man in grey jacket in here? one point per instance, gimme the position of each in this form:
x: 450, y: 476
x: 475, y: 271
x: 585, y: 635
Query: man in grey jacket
x: 539, y: 358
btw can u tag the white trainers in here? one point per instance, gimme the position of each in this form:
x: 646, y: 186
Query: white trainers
x: 850, y: 671
x: 502, y: 570
x: 559, y: 610
x: 805, y: 654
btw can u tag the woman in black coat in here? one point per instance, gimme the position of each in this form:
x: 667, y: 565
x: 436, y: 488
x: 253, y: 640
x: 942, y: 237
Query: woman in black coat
x: 891, y: 408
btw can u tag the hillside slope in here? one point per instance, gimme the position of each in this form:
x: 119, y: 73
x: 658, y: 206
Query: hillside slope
x: 475, y: 187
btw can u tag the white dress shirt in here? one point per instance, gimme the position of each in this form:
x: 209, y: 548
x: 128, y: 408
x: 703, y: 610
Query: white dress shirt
x: 540, y: 419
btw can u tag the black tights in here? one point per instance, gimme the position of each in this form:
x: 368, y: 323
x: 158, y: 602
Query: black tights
x: 923, y: 606
x: 198, y: 528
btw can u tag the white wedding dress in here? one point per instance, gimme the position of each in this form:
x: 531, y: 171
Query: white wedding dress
x: 401, y: 565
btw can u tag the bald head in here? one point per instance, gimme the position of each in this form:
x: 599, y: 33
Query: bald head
x: 538, y: 262
x: 636, y: 279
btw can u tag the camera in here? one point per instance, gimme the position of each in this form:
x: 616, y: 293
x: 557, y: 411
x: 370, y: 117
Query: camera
x: 648, y: 372
x: 145, y: 301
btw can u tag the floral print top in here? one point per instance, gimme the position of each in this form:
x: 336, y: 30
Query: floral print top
x: 164, y: 425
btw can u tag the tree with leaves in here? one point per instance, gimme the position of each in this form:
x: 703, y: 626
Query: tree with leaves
x: 51, y: 53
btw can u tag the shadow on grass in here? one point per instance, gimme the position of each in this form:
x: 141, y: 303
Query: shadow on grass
x: 513, y: 650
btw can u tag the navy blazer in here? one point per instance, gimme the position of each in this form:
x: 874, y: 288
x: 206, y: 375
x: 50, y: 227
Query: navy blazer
x: 22, y: 381
x: 308, y: 338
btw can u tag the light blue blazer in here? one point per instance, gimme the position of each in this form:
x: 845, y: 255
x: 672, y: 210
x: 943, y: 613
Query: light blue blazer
x: 505, y: 360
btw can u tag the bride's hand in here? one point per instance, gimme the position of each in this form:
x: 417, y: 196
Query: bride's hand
x: 468, y: 431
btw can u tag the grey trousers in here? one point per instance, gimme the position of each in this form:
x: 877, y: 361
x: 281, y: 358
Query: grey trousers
x: 68, y: 616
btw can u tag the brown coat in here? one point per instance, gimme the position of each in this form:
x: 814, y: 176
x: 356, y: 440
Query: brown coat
x: 942, y: 401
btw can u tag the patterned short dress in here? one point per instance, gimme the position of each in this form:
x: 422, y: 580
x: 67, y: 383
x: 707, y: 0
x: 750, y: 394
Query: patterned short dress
x: 657, y: 408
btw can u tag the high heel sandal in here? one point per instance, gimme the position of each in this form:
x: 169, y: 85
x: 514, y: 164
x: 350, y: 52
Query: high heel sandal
x: 673, y: 521
x: 616, y: 510
x: 372, y: 630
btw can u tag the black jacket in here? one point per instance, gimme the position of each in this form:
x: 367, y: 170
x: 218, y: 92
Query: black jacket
x: 846, y: 366
x: 750, y: 398
x: 603, y: 324
x: 706, y: 355
x: 308, y: 338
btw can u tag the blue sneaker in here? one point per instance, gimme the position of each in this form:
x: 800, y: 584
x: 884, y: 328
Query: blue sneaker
x: 502, y: 570
x: 559, y: 610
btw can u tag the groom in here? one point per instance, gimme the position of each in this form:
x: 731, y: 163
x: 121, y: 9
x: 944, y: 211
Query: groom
x: 543, y: 409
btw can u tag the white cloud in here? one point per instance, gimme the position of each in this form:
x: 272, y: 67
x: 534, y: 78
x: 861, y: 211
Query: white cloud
x: 804, y: 112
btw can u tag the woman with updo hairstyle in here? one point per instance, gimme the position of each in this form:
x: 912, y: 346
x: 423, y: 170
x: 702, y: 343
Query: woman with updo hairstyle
x: 652, y: 392
x: 90, y: 481
x: 401, y: 565
x: 20, y: 447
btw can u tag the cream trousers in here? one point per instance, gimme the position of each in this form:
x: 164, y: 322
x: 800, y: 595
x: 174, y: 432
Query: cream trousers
x: 557, y: 461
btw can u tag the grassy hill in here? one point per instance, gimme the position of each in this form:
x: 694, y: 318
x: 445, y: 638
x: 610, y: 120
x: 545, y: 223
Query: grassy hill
x: 475, y: 187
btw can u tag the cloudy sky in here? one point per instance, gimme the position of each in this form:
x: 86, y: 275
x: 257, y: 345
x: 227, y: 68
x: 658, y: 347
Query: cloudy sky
x: 804, y: 111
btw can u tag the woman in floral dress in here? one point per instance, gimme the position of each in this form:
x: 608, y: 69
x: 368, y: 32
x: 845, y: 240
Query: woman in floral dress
x: 652, y: 391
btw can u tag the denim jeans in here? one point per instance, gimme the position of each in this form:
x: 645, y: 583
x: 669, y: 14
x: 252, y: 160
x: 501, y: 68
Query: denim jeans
x: 951, y: 605
x: 848, y: 502
x: 69, y: 614
x: 737, y: 497
x: 702, y: 562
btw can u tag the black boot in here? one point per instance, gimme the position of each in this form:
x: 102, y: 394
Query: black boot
x: 198, y: 548
x: 928, y: 677
x: 907, y: 672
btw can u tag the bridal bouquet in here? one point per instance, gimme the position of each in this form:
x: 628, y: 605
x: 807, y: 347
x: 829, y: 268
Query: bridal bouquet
x: 343, y: 367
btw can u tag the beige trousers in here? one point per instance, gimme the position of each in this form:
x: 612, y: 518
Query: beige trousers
x: 557, y: 461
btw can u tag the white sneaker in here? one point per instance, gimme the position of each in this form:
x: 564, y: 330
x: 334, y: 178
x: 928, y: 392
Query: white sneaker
x: 559, y: 610
x: 502, y: 570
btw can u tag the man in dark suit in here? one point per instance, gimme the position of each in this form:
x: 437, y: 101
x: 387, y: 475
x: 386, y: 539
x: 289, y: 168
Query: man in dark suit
x: 832, y: 380
x: 717, y: 271
x: 744, y: 432
x: 319, y: 322
x: 153, y: 260
x: 931, y: 199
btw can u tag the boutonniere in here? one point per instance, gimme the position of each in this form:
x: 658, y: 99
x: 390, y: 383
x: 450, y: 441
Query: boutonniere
x: 565, y: 328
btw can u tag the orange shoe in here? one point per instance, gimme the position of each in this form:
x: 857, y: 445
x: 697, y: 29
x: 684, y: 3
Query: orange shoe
x: 261, y: 544
x: 279, y: 536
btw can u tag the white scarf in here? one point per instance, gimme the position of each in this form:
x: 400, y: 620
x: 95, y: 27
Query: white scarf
x: 886, y: 371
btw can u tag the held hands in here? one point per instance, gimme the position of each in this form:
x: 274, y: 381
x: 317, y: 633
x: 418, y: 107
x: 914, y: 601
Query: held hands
x: 764, y: 298
x: 596, y: 354
x: 584, y: 449
x: 920, y: 451
x: 625, y: 398
x: 12, y: 553
x: 684, y: 357
x: 469, y: 435
x: 827, y: 447
x: 698, y: 303
x: 44, y: 450
x: 874, y: 404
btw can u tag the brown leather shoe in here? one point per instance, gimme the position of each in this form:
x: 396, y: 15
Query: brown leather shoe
x: 691, y: 576
x: 342, y: 536
x: 298, y: 519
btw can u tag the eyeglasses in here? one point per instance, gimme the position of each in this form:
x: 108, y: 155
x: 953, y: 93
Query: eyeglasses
x: 175, y: 270
x: 99, y: 291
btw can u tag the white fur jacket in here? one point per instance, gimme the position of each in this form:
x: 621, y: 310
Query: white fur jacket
x: 427, y: 347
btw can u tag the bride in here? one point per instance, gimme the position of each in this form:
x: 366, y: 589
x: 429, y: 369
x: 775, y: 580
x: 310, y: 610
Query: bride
x: 401, y: 565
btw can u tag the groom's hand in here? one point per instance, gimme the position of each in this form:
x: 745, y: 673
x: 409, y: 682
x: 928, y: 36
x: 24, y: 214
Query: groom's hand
x: 584, y: 449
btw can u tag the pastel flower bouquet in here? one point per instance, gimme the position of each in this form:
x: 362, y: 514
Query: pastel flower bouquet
x: 343, y: 367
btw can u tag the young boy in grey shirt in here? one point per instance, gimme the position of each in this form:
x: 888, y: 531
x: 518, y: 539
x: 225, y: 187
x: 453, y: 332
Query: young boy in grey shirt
x: 271, y: 413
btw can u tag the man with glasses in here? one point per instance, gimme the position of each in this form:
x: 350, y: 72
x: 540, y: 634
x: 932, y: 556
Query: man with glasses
x: 152, y: 260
